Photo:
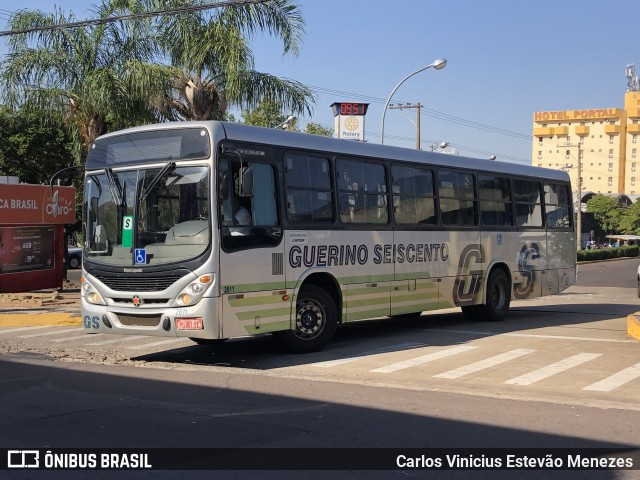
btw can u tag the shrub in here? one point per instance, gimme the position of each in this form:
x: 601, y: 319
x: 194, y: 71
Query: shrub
x: 607, y: 253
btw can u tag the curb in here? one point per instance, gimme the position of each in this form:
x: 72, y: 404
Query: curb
x: 633, y: 325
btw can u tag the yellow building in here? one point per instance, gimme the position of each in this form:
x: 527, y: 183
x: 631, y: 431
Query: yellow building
x: 603, y: 142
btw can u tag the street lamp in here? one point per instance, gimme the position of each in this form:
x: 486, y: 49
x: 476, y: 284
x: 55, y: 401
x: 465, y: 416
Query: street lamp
x: 286, y: 124
x: 441, y: 145
x: 579, y: 181
x: 439, y: 64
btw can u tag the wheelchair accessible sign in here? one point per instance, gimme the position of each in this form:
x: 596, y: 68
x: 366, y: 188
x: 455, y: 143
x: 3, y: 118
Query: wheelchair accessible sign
x: 140, y: 256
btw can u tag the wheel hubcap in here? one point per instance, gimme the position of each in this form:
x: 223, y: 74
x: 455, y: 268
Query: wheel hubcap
x: 310, y: 319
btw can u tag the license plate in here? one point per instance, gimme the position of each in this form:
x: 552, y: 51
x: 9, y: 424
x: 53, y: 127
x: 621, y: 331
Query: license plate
x: 189, y: 324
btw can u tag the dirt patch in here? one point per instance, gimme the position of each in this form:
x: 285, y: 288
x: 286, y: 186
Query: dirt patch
x: 44, y: 298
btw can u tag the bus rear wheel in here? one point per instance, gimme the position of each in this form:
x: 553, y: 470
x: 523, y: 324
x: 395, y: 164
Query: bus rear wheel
x: 498, y: 299
x: 316, y: 322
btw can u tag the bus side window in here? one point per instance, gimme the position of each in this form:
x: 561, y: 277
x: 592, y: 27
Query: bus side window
x: 413, y: 195
x: 263, y: 227
x: 308, y: 189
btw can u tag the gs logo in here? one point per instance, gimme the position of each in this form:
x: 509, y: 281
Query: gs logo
x: 91, y: 322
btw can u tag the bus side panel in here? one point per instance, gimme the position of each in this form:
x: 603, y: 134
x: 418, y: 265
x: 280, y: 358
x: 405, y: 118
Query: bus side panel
x: 527, y: 260
x: 252, y: 283
x: 461, y: 270
x: 415, y: 289
x: 354, y: 258
x: 561, y: 261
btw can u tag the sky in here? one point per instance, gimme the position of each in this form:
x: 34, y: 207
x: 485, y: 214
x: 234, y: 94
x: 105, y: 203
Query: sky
x: 506, y: 59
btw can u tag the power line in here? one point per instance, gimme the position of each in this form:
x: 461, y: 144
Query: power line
x: 428, y: 112
x: 117, y: 18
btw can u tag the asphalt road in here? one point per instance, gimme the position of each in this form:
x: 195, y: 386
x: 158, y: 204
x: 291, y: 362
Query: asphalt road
x: 559, y: 372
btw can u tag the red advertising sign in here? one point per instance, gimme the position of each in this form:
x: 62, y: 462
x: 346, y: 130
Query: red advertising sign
x: 36, y: 204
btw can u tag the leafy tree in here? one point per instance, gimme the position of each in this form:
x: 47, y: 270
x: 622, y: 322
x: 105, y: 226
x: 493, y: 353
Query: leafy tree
x: 31, y: 149
x: 105, y: 77
x: 269, y: 114
x: 317, y: 129
x: 630, y: 220
x: 606, y: 212
x: 266, y: 114
x: 95, y: 79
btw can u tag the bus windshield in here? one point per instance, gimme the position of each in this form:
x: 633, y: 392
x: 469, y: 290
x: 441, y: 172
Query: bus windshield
x: 160, y: 213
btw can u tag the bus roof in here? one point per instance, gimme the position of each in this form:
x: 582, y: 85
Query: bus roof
x: 239, y: 132
x: 270, y: 136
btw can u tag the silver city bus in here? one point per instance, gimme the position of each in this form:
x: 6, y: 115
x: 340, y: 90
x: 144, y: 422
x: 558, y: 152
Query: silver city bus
x: 211, y: 230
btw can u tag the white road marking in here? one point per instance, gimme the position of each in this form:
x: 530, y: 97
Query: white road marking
x: 483, y: 364
x: 69, y: 339
x: 532, y: 335
x: 128, y: 338
x: 22, y: 329
x: 553, y: 369
x: 58, y: 332
x: 368, y: 353
x: 616, y: 380
x: 423, y: 359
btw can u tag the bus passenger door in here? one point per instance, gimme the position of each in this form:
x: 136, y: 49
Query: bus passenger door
x: 252, y: 277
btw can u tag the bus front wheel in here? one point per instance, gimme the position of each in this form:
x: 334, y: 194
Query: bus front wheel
x: 316, y: 322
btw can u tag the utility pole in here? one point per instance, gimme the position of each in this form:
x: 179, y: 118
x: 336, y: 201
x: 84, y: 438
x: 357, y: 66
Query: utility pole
x: 417, y: 106
x: 579, y: 213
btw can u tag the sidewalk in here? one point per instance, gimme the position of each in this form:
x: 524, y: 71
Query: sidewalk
x: 45, y: 307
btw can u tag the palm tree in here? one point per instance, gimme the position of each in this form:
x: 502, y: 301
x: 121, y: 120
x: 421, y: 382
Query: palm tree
x: 108, y: 76
x: 95, y: 78
x: 216, y: 63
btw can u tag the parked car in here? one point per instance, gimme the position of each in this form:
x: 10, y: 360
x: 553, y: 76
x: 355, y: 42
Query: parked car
x: 638, y: 278
x: 74, y: 259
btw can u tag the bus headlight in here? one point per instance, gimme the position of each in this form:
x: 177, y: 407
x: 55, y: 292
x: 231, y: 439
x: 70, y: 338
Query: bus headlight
x: 91, y: 295
x: 193, y: 292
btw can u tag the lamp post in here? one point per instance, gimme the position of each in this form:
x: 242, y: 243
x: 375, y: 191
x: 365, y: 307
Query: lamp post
x: 438, y: 65
x: 579, y: 182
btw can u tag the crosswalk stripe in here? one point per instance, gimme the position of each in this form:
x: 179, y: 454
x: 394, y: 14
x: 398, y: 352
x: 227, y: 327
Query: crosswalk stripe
x: 22, y: 329
x: 616, y: 380
x: 46, y: 334
x: 368, y: 353
x: 128, y: 338
x: 69, y: 339
x: 423, y: 359
x: 155, y: 344
x: 553, y: 369
x: 529, y: 335
x: 483, y: 364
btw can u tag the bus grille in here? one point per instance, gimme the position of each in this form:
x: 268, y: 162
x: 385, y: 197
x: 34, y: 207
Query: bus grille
x: 139, y: 320
x: 140, y: 283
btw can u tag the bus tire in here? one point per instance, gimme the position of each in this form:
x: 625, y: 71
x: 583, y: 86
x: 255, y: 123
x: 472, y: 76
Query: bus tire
x: 498, y: 296
x: 316, y: 320
x: 497, y: 301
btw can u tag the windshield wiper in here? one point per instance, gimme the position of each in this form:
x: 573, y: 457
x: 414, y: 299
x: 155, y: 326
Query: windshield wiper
x: 114, y: 186
x: 165, y: 170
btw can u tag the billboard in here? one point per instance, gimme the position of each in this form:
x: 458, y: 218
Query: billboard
x: 36, y: 204
x: 25, y: 249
